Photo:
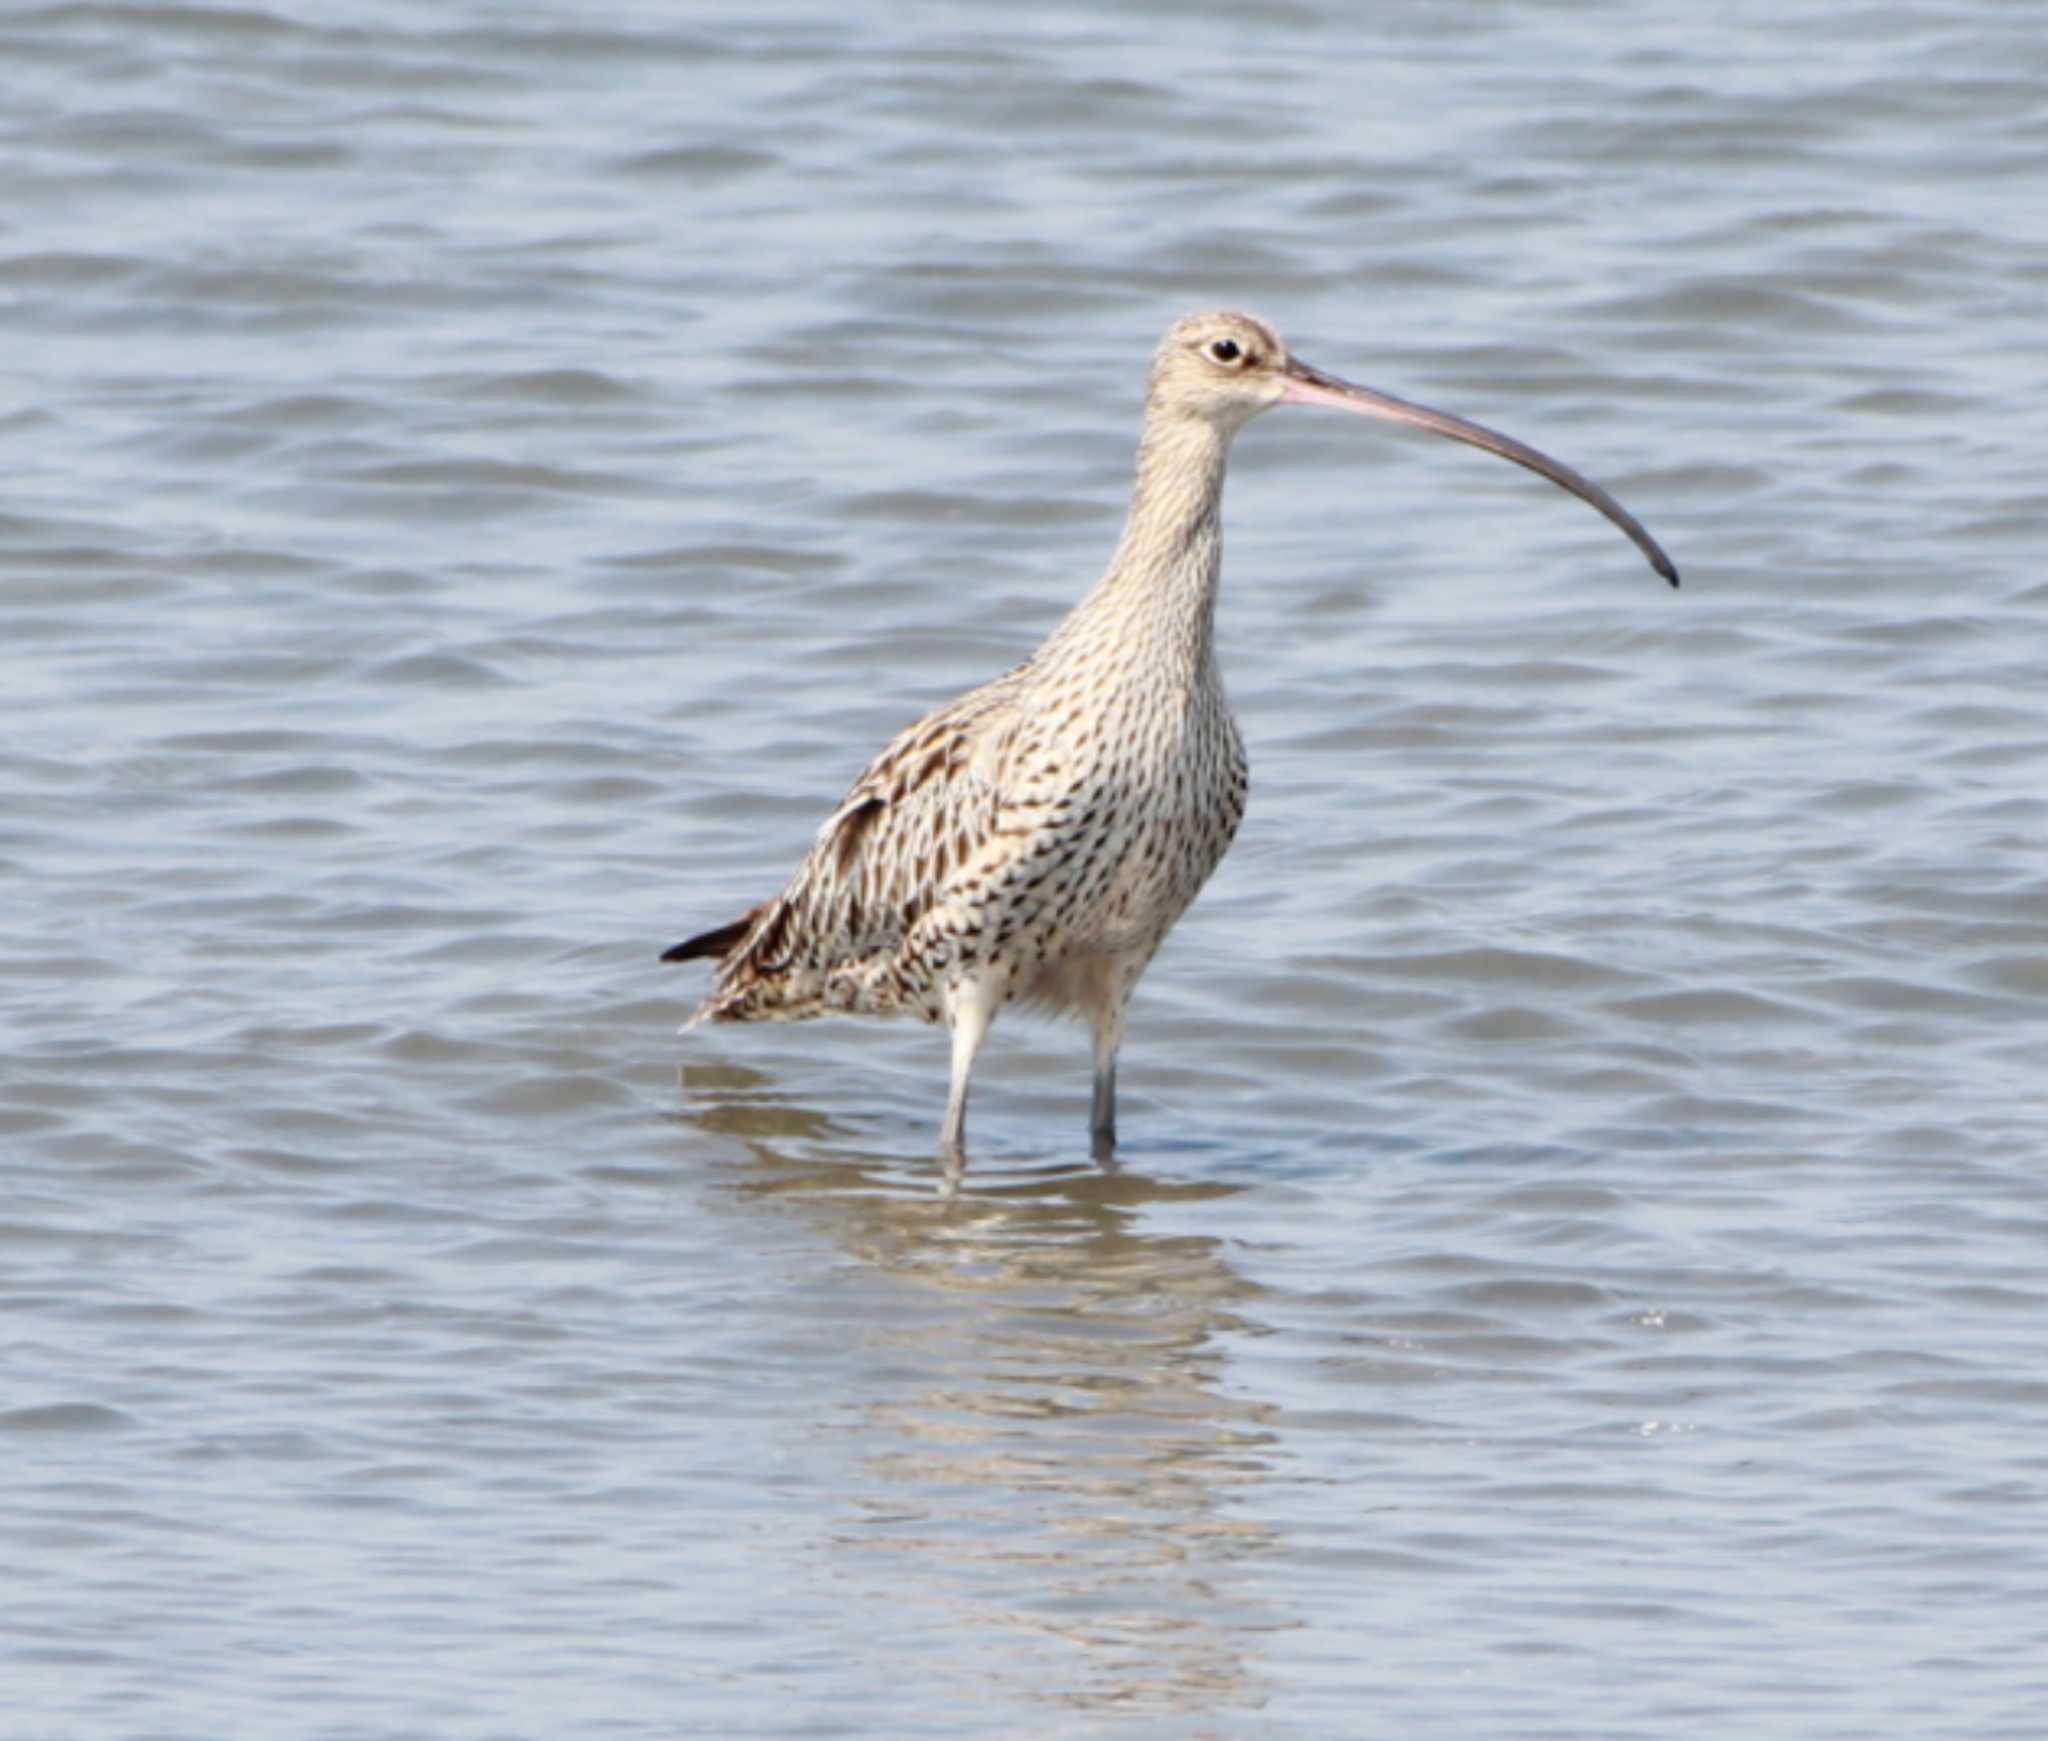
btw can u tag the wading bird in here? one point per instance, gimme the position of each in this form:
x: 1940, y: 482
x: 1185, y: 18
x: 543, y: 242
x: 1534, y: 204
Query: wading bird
x: 1034, y: 841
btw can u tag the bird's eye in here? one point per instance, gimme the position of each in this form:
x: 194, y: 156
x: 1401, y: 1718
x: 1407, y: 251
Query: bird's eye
x: 1225, y: 350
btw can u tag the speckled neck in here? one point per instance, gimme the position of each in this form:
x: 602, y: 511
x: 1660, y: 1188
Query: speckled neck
x: 1155, y: 607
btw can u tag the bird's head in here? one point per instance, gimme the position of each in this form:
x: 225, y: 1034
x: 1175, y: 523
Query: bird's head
x: 1224, y: 368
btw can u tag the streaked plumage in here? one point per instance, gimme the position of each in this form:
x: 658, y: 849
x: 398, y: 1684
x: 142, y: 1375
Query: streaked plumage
x: 1038, y: 837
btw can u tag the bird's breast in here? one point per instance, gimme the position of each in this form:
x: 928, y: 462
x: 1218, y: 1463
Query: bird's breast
x: 1136, y: 802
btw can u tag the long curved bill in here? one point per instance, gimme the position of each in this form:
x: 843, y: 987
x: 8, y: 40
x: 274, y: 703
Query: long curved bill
x: 1304, y: 385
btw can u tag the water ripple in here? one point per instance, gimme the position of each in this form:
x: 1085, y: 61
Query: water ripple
x: 478, y: 488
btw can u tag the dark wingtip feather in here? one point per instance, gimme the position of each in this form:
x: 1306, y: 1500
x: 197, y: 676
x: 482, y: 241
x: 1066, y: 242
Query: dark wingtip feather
x: 713, y: 944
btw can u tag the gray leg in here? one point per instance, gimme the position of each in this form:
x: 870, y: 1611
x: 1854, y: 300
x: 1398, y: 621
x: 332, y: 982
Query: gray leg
x: 970, y: 1009
x: 1108, y: 1033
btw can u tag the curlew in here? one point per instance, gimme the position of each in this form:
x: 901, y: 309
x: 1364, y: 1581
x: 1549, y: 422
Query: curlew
x: 1034, y: 840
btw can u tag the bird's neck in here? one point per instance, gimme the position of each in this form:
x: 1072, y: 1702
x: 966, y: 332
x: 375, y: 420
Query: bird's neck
x: 1155, y: 606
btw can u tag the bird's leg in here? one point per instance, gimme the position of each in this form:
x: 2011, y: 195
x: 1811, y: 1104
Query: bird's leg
x: 970, y: 1008
x: 1107, y: 1030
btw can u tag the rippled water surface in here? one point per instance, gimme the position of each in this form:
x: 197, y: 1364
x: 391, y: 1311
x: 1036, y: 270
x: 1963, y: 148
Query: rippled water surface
x: 480, y: 480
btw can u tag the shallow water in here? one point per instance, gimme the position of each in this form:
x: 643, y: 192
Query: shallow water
x: 477, y: 491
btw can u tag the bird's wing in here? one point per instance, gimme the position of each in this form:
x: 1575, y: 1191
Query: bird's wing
x: 913, y: 832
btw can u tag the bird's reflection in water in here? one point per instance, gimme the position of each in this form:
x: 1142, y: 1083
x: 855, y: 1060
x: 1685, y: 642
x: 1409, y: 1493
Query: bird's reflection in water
x: 1053, y: 1459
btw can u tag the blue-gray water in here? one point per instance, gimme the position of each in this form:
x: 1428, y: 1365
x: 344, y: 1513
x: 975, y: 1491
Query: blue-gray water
x: 480, y: 480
